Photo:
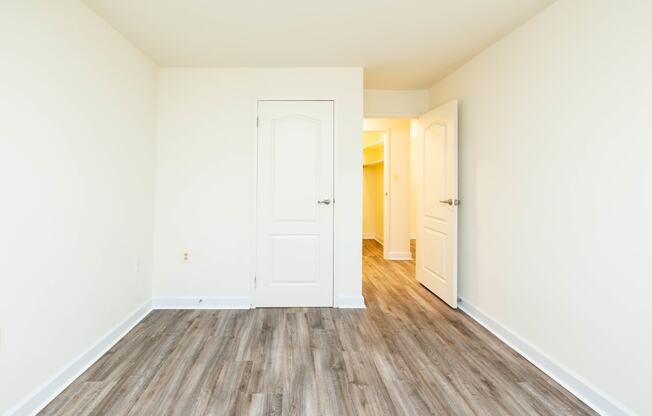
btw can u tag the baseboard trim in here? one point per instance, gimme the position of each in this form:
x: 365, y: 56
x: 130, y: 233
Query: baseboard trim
x: 230, y: 302
x: 399, y: 255
x: 372, y: 236
x: 583, y: 390
x: 350, y: 302
x: 413, y: 236
x: 51, y: 389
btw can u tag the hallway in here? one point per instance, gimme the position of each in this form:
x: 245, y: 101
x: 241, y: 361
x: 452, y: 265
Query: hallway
x: 406, y: 354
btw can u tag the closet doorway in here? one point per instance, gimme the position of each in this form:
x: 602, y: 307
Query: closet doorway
x: 375, y: 145
x: 387, y: 179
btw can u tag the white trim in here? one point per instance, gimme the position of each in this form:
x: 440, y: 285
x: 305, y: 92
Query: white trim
x: 34, y: 403
x: 368, y: 236
x: 582, y: 389
x: 399, y: 255
x: 350, y: 302
x: 413, y: 236
x: 230, y: 302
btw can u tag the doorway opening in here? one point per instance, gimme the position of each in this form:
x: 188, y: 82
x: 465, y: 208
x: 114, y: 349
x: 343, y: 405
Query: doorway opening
x: 410, y: 201
x: 388, y: 187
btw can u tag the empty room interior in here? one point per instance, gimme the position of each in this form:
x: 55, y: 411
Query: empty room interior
x: 418, y: 207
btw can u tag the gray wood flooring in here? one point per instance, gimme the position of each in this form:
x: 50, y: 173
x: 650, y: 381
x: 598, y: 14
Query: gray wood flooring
x: 406, y: 354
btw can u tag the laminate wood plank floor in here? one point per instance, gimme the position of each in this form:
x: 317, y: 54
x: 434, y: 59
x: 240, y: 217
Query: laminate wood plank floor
x: 406, y: 354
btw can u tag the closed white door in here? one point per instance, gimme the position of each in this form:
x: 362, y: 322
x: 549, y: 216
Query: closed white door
x: 294, y: 266
x: 437, y: 202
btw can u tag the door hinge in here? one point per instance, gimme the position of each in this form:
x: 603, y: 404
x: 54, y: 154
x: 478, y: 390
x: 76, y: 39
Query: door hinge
x: 255, y: 281
x: 257, y: 122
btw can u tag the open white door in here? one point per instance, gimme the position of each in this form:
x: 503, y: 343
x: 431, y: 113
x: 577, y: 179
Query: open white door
x: 294, y: 265
x: 437, y: 202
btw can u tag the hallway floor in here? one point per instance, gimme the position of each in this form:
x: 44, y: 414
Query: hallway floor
x: 407, y: 354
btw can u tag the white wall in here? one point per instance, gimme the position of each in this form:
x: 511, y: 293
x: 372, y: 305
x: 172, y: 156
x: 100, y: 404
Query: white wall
x: 206, y: 171
x: 395, y: 103
x: 398, y: 243
x: 556, y: 174
x: 76, y: 173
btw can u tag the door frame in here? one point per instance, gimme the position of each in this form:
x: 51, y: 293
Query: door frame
x: 386, y: 187
x: 254, y: 222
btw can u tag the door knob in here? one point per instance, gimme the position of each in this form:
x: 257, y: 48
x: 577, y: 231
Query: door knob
x: 451, y: 202
x: 324, y: 202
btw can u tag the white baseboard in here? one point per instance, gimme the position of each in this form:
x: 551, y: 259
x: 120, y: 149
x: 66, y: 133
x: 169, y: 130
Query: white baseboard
x: 583, y: 390
x: 350, y: 302
x: 234, y: 302
x: 51, y: 389
x: 399, y: 255
x: 372, y: 236
x: 413, y: 236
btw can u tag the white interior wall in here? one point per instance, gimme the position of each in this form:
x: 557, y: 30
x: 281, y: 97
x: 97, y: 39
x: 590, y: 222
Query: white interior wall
x: 206, y: 175
x: 77, y: 177
x: 395, y: 103
x: 555, y: 181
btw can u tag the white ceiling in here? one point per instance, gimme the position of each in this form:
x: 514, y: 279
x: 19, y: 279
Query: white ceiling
x: 402, y: 44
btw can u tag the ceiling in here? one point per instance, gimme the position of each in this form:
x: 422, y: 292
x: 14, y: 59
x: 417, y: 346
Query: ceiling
x: 402, y: 44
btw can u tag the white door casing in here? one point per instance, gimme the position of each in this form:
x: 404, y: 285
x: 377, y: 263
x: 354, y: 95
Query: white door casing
x: 437, y: 202
x: 294, y: 265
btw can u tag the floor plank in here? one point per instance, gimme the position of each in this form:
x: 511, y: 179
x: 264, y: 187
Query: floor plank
x: 406, y: 354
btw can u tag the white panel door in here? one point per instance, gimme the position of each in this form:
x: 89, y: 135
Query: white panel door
x: 294, y: 266
x: 437, y: 202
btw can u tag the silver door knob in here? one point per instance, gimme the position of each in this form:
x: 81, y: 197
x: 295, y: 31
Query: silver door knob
x: 451, y: 202
x: 324, y: 202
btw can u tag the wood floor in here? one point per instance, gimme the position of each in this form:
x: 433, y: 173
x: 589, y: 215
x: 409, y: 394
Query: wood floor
x: 406, y: 354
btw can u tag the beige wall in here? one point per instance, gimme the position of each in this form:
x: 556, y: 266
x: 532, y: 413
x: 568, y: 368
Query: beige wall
x: 77, y: 120
x: 368, y: 202
x: 555, y: 182
x: 372, y: 202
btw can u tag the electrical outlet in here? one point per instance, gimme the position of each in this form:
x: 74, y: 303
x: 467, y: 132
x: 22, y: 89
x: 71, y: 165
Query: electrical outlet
x: 186, y: 257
